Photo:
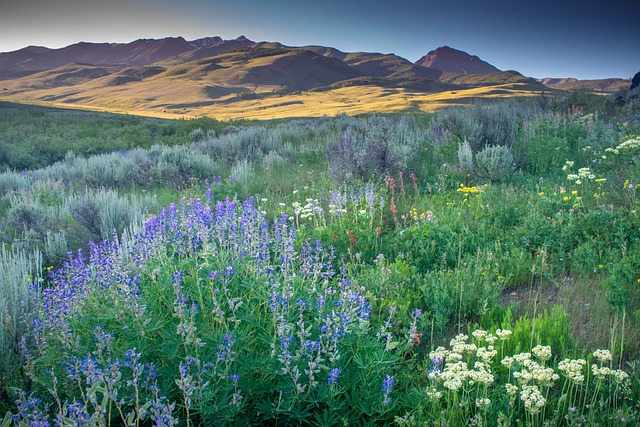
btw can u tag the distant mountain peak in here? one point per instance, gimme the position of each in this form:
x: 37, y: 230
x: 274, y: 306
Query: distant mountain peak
x: 206, y: 42
x: 446, y: 58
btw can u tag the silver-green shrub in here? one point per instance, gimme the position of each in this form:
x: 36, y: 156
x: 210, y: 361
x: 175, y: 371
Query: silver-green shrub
x: 246, y: 143
x: 495, y: 162
x: 103, y: 213
x: 242, y: 172
x: 178, y: 165
x: 480, y: 125
x: 17, y: 271
x: 369, y: 147
x: 465, y: 156
x: 273, y: 160
x: 12, y: 181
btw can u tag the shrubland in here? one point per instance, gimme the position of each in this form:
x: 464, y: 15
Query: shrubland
x: 476, y: 265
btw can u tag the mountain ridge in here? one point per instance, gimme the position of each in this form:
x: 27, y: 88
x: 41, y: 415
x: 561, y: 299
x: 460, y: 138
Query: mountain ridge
x: 240, y: 77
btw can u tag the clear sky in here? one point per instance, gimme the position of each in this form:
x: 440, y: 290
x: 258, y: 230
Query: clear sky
x: 547, y: 38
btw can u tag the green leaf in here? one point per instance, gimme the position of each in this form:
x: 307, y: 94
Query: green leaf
x: 130, y: 418
x: 6, y: 422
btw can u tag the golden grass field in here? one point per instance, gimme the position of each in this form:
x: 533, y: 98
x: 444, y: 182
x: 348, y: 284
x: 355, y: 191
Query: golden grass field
x: 180, y: 103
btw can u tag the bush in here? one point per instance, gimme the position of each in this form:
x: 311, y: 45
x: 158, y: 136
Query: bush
x: 481, y: 125
x: 19, y: 271
x: 367, y: 149
x: 102, y: 213
x: 178, y: 165
x: 495, y: 162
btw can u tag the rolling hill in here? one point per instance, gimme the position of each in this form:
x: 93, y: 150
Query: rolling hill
x: 173, y: 77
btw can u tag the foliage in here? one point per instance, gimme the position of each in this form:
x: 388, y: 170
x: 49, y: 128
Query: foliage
x: 329, y: 295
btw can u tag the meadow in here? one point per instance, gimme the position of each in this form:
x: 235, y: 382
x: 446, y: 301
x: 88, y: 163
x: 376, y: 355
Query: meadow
x: 476, y: 265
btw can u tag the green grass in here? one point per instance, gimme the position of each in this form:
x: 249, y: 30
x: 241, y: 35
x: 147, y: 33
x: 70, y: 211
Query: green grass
x: 532, y: 251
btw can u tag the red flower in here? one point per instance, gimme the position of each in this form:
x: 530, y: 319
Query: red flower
x: 416, y: 338
x: 413, y: 180
x: 351, y: 237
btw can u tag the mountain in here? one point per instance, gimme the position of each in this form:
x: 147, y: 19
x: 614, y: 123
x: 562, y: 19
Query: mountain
x: 455, y: 61
x: 33, y: 59
x: 173, y: 77
x: 610, y: 86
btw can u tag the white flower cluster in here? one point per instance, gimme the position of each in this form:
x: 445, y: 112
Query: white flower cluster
x: 532, y: 398
x: 483, y: 402
x: 602, y: 355
x: 511, y: 389
x: 486, y: 353
x: 629, y: 145
x: 583, y: 173
x: 311, y: 208
x: 481, y: 373
x: 455, y: 371
x: 602, y: 372
x: 459, y: 345
x: 530, y: 370
x: 434, y: 394
x: 503, y: 334
x: 467, y: 365
x: 572, y: 369
x: 542, y: 352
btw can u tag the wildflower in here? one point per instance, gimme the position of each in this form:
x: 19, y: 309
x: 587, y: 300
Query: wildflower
x: 619, y: 375
x: 416, y: 338
x: 572, y: 369
x: 483, y: 402
x: 479, y: 334
x: 542, y: 352
x: 507, y: 361
x: 572, y: 409
x: 503, y: 334
x: 511, y: 389
x: 352, y: 237
x: 486, y: 353
x: 453, y: 384
x: 333, y: 377
x: 433, y: 394
x: 387, y: 388
x: 602, y: 355
x: 600, y: 372
x: 532, y: 398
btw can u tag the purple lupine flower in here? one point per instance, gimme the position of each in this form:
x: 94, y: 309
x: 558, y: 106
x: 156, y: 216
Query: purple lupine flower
x: 387, y: 389
x: 332, y: 380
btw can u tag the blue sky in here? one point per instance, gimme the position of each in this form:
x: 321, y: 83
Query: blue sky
x: 542, y: 39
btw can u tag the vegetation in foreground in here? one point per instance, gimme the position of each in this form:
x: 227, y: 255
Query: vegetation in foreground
x: 474, y: 266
